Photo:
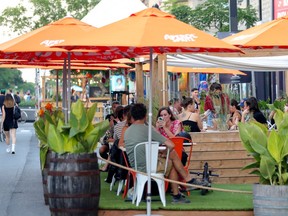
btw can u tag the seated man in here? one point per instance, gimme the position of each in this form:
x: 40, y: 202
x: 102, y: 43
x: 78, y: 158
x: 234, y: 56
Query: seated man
x: 138, y: 132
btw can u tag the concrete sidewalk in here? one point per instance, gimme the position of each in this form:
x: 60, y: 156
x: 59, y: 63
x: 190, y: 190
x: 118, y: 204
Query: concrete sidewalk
x: 21, y: 191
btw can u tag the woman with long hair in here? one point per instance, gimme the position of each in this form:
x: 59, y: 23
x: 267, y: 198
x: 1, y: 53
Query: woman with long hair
x: 217, y: 103
x: 252, y: 111
x: 9, y: 123
x: 166, y: 124
x: 235, y: 115
x: 190, y: 119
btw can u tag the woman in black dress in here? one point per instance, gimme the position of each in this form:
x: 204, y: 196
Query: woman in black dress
x: 190, y: 119
x: 9, y: 123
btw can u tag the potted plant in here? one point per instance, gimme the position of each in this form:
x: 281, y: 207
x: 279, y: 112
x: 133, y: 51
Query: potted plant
x: 73, y: 181
x: 270, y: 151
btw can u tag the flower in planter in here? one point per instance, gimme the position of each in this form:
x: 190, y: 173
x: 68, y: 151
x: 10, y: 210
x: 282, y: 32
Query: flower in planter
x: 88, y: 75
x: 49, y: 107
x: 41, y: 112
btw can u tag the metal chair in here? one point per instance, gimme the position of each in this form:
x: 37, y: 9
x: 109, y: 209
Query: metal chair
x: 130, y: 175
x: 179, y: 143
x: 120, y: 184
x: 142, y: 179
x: 270, y: 125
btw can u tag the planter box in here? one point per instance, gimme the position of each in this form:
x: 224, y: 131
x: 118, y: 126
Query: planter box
x: 73, y: 184
x: 270, y: 200
x: 31, y: 113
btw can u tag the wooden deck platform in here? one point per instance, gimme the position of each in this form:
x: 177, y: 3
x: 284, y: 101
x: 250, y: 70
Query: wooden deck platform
x: 225, y: 155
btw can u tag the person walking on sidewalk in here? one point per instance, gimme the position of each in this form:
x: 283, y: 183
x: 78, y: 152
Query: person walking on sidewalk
x: 9, y: 123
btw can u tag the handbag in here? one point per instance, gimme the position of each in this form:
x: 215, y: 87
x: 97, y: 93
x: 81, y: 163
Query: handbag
x: 16, y: 112
x: 2, y: 136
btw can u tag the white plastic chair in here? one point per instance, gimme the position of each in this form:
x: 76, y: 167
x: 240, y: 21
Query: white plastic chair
x: 270, y: 125
x: 142, y: 179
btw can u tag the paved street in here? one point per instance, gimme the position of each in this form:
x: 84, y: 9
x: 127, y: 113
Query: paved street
x: 21, y: 190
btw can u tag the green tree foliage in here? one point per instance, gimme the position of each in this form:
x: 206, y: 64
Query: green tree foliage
x: 183, y: 13
x: 212, y: 14
x: 169, y: 5
x: 215, y: 14
x: 9, y: 78
x: 12, y: 79
x: 21, y: 19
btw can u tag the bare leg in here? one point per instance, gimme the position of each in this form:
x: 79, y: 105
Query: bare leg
x: 103, y: 150
x: 13, y: 135
x: 105, y: 167
x: 173, y: 175
x: 177, y: 164
x: 7, y: 134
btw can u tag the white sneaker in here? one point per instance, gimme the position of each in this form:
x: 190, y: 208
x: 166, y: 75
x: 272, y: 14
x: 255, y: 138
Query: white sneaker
x: 13, y: 149
x: 8, y: 149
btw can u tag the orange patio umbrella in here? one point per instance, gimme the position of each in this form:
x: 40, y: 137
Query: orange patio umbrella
x: 55, y: 67
x: 36, y: 45
x: 269, y: 38
x: 175, y: 69
x: 150, y: 28
x: 124, y: 61
x: 60, y: 64
x: 147, y: 32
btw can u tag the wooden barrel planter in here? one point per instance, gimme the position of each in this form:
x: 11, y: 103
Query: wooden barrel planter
x: 270, y: 200
x: 44, y: 177
x: 73, y: 184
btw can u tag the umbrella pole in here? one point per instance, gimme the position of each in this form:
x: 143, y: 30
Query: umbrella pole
x: 57, y: 88
x: 149, y: 137
x: 69, y: 86
x: 64, y: 92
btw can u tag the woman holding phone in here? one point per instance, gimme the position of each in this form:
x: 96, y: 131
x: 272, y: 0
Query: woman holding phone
x: 166, y: 123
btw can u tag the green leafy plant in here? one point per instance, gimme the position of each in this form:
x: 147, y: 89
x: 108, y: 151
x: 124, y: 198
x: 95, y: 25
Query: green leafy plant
x: 187, y: 128
x: 79, y: 135
x: 269, y: 149
x: 30, y: 103
x: 278, y: 104
x: 263, y: 105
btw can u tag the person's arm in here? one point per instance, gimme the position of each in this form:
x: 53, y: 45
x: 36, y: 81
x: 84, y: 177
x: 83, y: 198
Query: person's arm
x: 121, y: 143
x: 271, y: 115
x: 169, y: 144
x: 199, y: 122
x: 236, y: 118
x: 208, y: 105
x: 229, y: 121
x: 3, y: 115
x: 245, y: 112
x: 168, y: 132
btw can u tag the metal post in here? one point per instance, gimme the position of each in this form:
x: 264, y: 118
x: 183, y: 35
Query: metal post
x: 57, y: 88
x: 149, y: 137
x: 64, y: 92
x: 69, y: 86
x: 233, y: 22
x: 253, y: 84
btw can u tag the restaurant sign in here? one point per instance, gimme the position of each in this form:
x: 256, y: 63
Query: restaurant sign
x: 280, y: 8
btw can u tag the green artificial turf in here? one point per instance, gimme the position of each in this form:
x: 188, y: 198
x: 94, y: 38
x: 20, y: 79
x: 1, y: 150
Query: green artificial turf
x: 214, y: 200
